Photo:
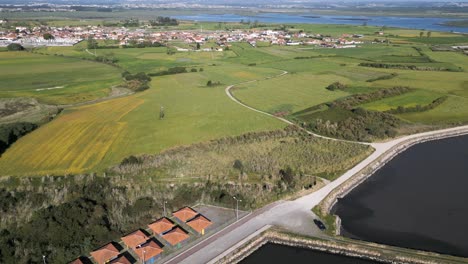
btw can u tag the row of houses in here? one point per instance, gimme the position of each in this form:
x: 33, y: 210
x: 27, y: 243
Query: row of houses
x: 66, y: 36
x: 147, y: 246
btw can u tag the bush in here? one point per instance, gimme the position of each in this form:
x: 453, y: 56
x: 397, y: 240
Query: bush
x: 130, y: 160
x: 9, y: 133
x: 193, y: 70
x: 336, y: 86
x: 15, y: 47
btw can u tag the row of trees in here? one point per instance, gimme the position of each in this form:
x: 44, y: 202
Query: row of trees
x: 406, y: 67
x: 164, y: 21
x: 418, y: 108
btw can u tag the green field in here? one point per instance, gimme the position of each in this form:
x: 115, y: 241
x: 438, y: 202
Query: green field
x: 54, y: 80
x: 95, y: 137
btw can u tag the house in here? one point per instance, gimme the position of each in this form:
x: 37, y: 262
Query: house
x: 120, y: 260
x: 175, y: 236
x: 135, y: 239
x: 199, y: 223
x: 148, y: 252
x: 105, y: 253
x: 81, y: 260
x: 161, y: 225
x: 185, y: 214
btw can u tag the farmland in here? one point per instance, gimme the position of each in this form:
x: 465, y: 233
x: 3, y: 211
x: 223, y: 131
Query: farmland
x: 54, y: 80
x: 195, y: 112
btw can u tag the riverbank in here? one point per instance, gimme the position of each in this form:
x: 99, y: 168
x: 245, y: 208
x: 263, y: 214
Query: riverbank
x: 345, y: 247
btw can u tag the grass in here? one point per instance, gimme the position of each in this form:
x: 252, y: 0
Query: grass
x: 23, y: 75
x: 418, y: 97
x: 196, y: 113
x: 92, y: 138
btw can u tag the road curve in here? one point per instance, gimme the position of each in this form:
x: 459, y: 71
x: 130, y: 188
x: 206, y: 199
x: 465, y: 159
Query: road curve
x: 233, y: 98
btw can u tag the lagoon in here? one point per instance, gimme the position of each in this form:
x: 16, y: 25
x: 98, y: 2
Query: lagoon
x: 419, y: 23
x: 418, y: 200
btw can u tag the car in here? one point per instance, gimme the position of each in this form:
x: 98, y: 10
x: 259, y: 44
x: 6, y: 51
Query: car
x: 319, y: 224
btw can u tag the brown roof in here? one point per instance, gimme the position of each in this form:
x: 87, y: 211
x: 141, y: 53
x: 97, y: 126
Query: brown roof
x: 77, y: 261
x: 135, y: 239
x: 185, y: 214
x: 161, y: 225
x: 175, y: 236
x: 120, y: 260
x: 199, y: 223
x: 151, y: 249
x: 105, y: 253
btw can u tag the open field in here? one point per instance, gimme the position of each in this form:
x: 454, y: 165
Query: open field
x: 54, y: 80
x: 196, y: 113
x: 130, y: 125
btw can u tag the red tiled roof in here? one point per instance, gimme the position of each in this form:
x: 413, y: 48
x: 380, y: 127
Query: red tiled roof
x: 135, y: 239
x: 77, y: 261
x: 120, y: 260
x: 185, y: 214
x: 150, y: 249
x: 199, y: 223
x: 105, y: 253
x: 175, y: 236
x: 161, y: 225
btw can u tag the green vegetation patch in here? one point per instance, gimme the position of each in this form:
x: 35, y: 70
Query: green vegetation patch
x: 54, y: 80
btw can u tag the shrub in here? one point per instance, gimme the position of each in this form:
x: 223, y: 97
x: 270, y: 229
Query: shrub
x: 15, y: 47
x: 336, y: 86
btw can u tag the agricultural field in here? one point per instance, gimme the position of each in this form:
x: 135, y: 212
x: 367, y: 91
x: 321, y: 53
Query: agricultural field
x: 195, y: 112
x: 54, y: 80
x: 94, y: 137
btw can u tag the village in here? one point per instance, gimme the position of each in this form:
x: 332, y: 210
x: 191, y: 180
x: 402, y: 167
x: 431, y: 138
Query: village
x: 39, y: 36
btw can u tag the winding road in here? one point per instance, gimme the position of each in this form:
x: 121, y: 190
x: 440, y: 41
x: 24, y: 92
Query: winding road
x: 295, y: 215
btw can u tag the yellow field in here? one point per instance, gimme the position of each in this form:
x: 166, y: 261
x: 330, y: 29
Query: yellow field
x: 74, y: 142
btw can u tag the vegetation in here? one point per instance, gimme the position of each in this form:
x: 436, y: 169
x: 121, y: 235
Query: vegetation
x: 407, y: 67
x: 15, y: 47
x: 85, y: 211
x: 164, y: 21
x: 136, y: 82
x: 258, y: 156
x: 64, y: 80
x: 9, y: 133
x: 336, y: 86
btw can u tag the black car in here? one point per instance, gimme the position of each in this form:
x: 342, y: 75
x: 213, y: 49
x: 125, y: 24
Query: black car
x: 319, y: 224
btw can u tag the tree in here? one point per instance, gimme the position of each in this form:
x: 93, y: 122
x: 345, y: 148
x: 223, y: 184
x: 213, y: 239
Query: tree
x: 421, y: 34
x: 15, y: 47
x: 209, y: 83
x: 429, y: 34
x: 198, y: 46
x: 287, y: 175
x: 92, y: 43
x: 48, y: 36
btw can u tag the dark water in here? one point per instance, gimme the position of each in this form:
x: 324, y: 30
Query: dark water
x: 419, y: 200
x: 427, y: 23
x: 272, y: 253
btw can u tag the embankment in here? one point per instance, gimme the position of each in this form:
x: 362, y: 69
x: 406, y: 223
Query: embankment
x: 346, y: 247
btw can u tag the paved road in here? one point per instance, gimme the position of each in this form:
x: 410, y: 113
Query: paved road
x: 293, y: 215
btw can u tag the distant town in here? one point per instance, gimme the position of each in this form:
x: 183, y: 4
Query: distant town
x: 38, y: 36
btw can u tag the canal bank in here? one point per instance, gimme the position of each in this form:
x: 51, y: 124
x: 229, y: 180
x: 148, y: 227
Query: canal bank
x: 366, y: 251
